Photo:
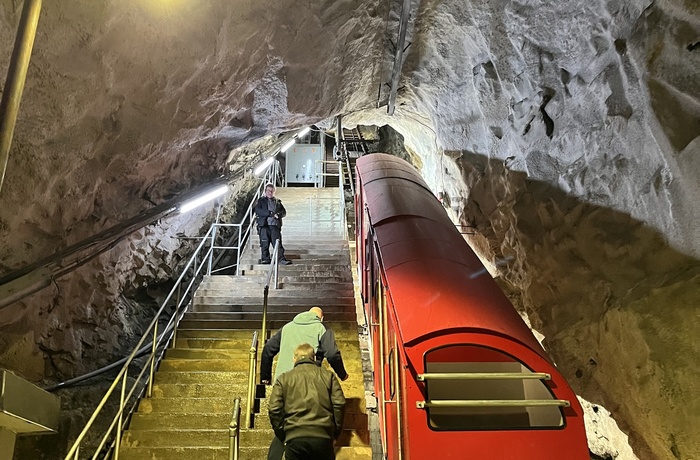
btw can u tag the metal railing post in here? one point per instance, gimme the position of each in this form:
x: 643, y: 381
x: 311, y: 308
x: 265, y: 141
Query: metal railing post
x: 263, y: 331
x: 177, y: 310
x: 251, y: 380
x: 122, y: 405
x: 211, y: 250
x: 153, y: 360
x: 234, y: 431
x: 238, y: 249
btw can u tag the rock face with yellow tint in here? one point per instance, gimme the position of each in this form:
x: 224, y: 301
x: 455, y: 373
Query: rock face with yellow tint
x: 562, y: 136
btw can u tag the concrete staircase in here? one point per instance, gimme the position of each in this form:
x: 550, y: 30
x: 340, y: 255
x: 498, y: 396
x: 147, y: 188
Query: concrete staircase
x: 195, y: 386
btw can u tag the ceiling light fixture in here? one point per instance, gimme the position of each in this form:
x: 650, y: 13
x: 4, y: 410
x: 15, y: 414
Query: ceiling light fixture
x: 263, y: 166
x: 190, y: 205
x: 304, y: 132
x: 287, y: 145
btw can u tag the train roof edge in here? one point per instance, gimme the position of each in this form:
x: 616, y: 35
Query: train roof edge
x: 407, y: 220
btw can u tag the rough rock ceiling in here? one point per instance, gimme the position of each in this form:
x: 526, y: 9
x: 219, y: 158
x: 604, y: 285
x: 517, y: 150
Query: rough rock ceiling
x: 566, y: 133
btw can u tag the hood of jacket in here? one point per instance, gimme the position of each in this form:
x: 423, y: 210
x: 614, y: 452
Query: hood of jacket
x: 305, y: 318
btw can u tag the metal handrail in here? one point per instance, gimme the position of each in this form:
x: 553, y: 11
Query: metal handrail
x: 493, y: 403
x: 200, y: 260
x: 253, y: 364
x: 484, y: 376
x: 274, y: 269
x: 318, y: 174
x: 151, y: 330
x: 234, y: 431
x: 343, y: 206
x: 352, y: 184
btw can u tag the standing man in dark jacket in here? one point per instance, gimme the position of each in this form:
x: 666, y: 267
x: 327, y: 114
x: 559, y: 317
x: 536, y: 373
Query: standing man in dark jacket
x: 306, y: 408
x: 269, y: 212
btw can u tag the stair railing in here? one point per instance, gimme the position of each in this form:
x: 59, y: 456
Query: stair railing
x: 252, y: 367
x: 321, y: 176
x: 343, y: 210
x: 234, y: 431
x: 350, y: 178
x: 197, y: 263
x: 272, y: 273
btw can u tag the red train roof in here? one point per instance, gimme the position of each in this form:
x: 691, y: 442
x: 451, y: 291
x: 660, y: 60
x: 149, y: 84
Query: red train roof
x: 436, y: 281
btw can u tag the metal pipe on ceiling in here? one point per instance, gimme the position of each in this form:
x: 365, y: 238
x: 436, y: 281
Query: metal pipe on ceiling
x: 16, y: 77
x: 398, y: 57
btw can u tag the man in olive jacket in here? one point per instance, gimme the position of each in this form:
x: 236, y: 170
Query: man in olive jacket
x: 306, y: 408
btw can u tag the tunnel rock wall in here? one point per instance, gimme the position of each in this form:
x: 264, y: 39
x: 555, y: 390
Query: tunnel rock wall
x: 566, y: 136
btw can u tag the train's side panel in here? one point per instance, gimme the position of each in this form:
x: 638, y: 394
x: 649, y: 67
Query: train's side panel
x: 432, y: 307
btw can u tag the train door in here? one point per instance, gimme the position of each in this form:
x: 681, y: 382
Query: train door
x: 390, y: 378
x: 360, y: 233
x: 367, y: 241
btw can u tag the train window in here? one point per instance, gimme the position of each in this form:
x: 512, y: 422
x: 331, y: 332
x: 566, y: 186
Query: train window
x: 392, y: 383
x: 472, y: 359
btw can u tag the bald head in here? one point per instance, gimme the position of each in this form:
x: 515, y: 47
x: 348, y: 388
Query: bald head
x: 317, y: 311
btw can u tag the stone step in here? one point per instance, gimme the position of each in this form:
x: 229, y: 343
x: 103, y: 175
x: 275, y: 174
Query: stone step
x: 193, y: 406
x: 203, y: 353
x: 188, y: 453
x: 321, y: 242
x: 302, y: 272
x: 199, y: 390
x: 186, y: 378
x: 209, y: 365
x: 220, y: 438
x: 225, y: 334
x: 158, y: 421
x: 241, y: 344
x: 254, y: 263
x: 328, y: 250
x: 298, y: 304
x: 237, y: 323
x: 272, y: 315
x: 213, y: 343
x: 182, y: 332
x: 259, y: 278
x: 186, y: 367
x: 329, y: 310
x: 255, y: 288
x: 293, y: 303
x: 252, y: 266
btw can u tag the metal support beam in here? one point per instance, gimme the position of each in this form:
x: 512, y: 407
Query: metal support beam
x: 339, y: 137
x: 16, y: 76
x: 398, y: 57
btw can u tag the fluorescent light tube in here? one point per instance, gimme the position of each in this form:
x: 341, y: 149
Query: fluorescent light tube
x: 286, y: 146
x: 190, y: 205
x: 263, y: 166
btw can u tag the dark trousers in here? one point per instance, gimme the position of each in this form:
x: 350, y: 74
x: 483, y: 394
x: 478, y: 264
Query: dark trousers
x: 268, y: 235
x: 309, y: 449
x: 276, y: 449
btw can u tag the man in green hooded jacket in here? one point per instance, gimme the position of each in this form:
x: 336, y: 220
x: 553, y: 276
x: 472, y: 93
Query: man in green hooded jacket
x: 308, y: 328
